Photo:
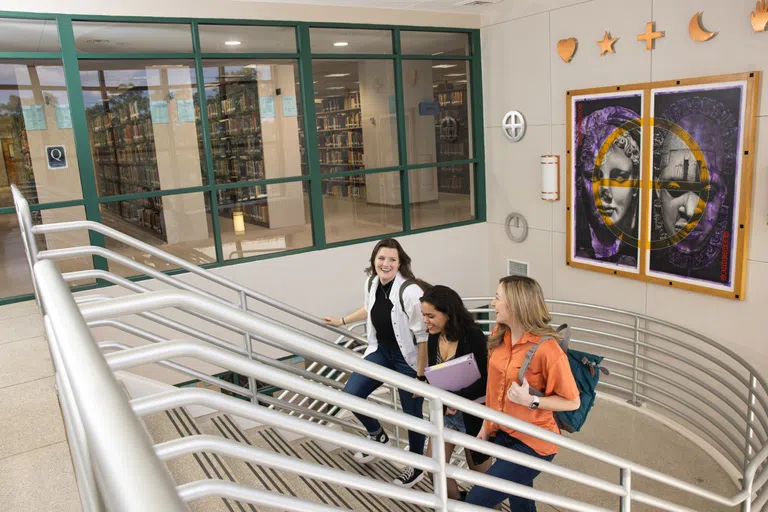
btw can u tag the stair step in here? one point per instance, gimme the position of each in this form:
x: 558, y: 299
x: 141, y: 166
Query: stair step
x: 178, y: 423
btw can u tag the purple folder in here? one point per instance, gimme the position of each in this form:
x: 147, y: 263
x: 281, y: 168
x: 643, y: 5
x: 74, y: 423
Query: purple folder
x: 455, y: 374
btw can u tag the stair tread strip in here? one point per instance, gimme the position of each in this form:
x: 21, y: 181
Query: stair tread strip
x: 176, y: 422
x: 258, y: 474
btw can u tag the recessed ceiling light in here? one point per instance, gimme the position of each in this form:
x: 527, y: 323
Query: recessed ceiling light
x: 341, y: 43
x: 337, y: 75
x: 455, y: 74
x: 438, y: 53
x: 444, y: 66
x: 461, y: 81
x: 336, y: 88
x: 232, y: 43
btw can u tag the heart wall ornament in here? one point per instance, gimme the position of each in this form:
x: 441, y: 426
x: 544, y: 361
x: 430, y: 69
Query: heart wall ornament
x: 566, y: 48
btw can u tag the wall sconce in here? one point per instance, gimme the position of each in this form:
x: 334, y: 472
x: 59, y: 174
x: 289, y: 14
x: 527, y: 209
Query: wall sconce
x: 239, y: 222
x: 550, y: 177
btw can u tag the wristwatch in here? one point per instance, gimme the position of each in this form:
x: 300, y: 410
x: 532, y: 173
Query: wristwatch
x: 535, y: 404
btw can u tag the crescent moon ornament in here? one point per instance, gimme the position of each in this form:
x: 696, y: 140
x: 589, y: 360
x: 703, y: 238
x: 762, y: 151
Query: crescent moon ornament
x: 696, y: 31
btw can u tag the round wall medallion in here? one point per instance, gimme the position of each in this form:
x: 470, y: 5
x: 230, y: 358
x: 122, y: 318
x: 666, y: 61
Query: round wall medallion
x: 513, y: 125
x: 517, y: 227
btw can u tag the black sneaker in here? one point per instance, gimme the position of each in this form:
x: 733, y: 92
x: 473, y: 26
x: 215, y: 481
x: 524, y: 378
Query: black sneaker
x: 463, y: 495
x: 409, y: 477
x: 364, y: 458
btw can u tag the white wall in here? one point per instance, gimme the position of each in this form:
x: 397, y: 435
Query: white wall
x: 245, y: 9
x: 522, y: 71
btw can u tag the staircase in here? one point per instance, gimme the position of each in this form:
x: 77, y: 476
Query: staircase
x: 299, y: 455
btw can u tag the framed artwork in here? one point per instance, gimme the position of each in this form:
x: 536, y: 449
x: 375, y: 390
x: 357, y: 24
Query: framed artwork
x: 659, y: 181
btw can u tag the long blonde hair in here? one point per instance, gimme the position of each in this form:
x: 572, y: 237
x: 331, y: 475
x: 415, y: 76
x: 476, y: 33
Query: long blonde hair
x: 526, y: 303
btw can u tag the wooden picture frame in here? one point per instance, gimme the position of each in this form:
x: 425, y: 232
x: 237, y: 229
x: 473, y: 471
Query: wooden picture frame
x: 659, y: 181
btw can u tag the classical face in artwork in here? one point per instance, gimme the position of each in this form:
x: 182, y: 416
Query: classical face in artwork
x: 689, y: 188
x: 615, y: 183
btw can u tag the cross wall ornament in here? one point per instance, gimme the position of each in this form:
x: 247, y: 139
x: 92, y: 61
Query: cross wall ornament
x: 513, y: 125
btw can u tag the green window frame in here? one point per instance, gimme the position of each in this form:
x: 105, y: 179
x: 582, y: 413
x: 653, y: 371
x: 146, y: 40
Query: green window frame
x: 91, y: 201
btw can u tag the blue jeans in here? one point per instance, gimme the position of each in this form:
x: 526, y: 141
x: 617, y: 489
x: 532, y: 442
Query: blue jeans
x: 362, y: 386
x: 508, y: 471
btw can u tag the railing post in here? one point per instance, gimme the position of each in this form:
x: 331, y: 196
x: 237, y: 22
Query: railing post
x: 249, y: 347
x: 748, y: 452
x: 438, y: 453
x: 635, y: 361
x: 393, y: 397
x: 626, y: 482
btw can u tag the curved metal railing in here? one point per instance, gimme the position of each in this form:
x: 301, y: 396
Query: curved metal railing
x: 680, y: 374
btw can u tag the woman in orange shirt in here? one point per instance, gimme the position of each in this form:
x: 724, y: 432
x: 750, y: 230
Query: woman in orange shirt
x: 522, y: 320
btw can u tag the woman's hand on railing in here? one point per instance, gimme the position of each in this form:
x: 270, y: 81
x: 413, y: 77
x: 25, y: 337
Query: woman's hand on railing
x: 335, y: 322
x: 483, y: 434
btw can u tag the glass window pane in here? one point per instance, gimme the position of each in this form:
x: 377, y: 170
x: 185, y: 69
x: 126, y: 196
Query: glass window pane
x: 356, y: 114
x: 179, y: 224
x: 434, y: 43
x: 438, y: 118
x: 442, y: 195
x: 109, y: 37
x: 255, y: 119
x: 14, y: 272
x: 362, y: 205
x: 142, y: 125
x: 247, y: 39
x: 264, y: 219
x: 28, y: 35
x: 344, y: 40
x: 35, y: 115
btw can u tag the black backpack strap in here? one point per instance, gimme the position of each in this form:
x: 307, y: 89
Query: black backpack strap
x: 406, y: 284
x: 370, y: 283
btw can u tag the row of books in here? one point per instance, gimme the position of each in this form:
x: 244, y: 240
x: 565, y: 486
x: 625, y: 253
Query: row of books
x: 239, y: 170
x: 335, y: 122
x: 341, y: 140
x: 237, y: 146
x: 243, y: 102
x: 129, y: 133
x: 450, y: 98
x: 352, y: 100
x: 257, y: 212
x: 247, y: 124
x: 146, y: 176
x: 341, y: 157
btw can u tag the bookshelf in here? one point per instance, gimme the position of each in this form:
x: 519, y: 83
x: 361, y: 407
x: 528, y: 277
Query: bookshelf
x: 452, y: 138
x: 340, y: 144
x: 124, y: 153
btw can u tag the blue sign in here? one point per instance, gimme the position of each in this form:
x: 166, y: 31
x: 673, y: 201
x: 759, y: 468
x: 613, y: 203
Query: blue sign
x: 267, y: 107
x: 34, y: 118
x: 429, y: 108
x: 57, y: 157
x: 289, y: 106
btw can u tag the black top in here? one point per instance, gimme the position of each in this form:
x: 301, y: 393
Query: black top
x: 474, y: 342
x: 381, y: 317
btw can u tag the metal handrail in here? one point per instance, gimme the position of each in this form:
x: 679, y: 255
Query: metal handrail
x: 754, y: 477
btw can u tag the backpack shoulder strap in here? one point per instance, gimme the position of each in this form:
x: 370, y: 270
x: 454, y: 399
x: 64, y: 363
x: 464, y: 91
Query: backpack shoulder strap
x: 565, y: 330
x: 370, y: 283
x: 406, y: 284
x: 529, y: 357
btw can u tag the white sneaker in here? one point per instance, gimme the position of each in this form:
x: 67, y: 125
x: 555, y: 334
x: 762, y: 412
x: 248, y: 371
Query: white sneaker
x: 365, y: 458
x: 410, y: 477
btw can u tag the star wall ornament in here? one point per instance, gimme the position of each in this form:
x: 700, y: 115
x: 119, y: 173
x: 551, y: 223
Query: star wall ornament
x: 650, y: 35
x: 606, y: 45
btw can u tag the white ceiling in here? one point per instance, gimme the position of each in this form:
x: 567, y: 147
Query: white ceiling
x: 416, y: 5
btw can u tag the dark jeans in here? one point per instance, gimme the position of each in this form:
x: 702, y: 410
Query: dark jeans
x: 362, y: 386
x: 508, y: 471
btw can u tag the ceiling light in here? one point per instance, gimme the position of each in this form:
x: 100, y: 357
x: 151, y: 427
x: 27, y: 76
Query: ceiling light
x: 455, y: 74
x: 435, y: 85
x: 233, y: 43
x: 438, y: 53
x: 341, y: 43
x: 445, y: 66
x: 336, y: 88
x: 337, y: 75
x: 461, y: 81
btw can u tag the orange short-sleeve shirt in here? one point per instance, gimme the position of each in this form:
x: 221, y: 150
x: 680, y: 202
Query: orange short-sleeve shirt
x: 549, y: 372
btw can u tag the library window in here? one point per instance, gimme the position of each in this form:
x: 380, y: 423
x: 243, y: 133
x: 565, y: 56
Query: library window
x: 362, y: 205
x: 254, y: 120
x: 351, y: 41
x: 29, y: 35
x: 434, y: 43
x: 143, y: 125
x: 437, y: 112
x: 180, y: 224
x: 247, y: 39
x: 111, y: 37
x: 356, y: 114
x: 264, y: 219
x: 441, y: 195
x: 35, y: 120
